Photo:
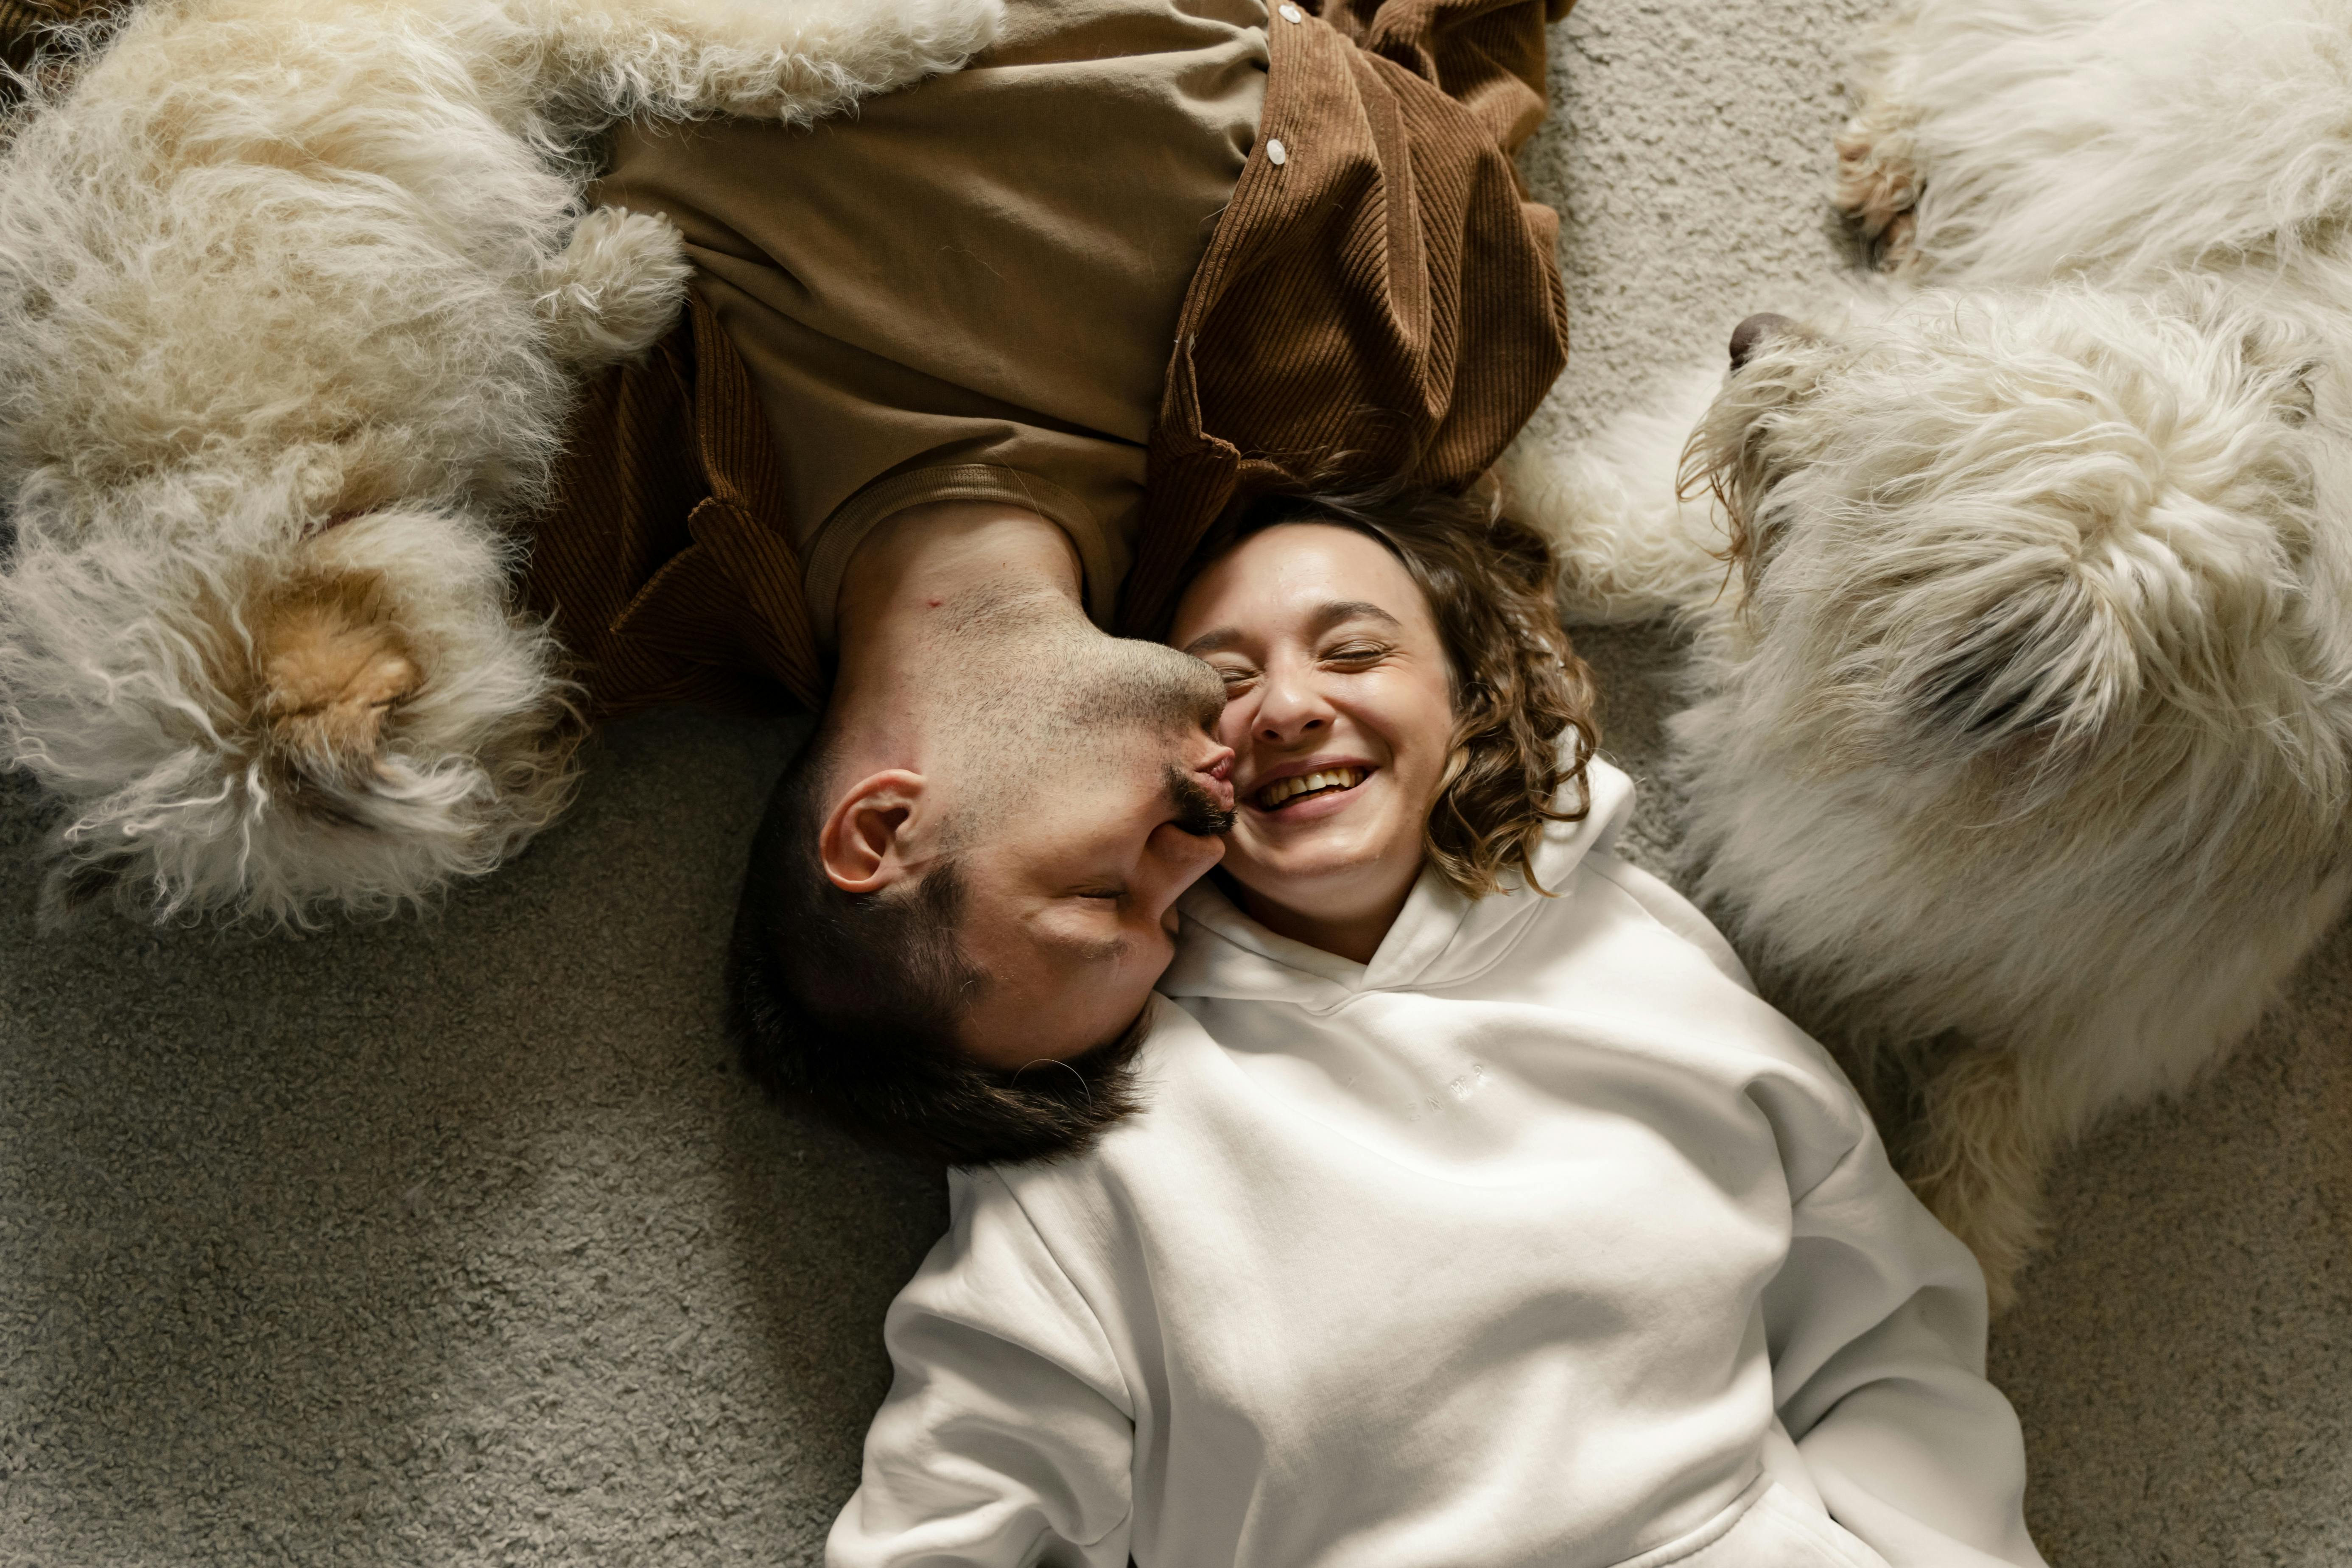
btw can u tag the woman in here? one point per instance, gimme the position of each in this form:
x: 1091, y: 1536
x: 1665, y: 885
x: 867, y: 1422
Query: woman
x: 1399, y: 695
x: 1478, y: 1211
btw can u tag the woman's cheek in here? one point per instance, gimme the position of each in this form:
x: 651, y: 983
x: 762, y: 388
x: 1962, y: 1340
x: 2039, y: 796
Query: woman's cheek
x: 1233, y: 724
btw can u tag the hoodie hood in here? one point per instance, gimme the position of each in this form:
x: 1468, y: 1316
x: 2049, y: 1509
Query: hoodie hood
x: 1440, y: 937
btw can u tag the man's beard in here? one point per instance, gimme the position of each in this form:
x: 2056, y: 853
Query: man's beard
x: 1197, y: 811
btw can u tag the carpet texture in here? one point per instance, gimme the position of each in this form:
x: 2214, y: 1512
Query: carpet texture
x: 458, y: 1241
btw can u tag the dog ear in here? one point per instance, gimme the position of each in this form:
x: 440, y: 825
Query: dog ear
x: 2055, y: 660
x: 2041, y: 672
x: 2011, y: 682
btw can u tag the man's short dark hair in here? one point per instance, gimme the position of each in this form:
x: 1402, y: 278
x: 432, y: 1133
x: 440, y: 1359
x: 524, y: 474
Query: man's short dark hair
x: 849, y: 1004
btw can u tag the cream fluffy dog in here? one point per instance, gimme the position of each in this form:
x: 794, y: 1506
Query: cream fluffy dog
x: 293, y: 294
x: 2023, y: 730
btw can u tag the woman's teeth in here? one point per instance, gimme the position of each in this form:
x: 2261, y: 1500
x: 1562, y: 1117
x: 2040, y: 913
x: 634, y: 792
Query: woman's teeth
x: 1281, y: 790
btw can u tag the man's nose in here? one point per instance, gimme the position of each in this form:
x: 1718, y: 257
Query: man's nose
x: 1178, y: 859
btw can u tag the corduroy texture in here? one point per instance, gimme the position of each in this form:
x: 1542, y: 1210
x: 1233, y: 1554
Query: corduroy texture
x: 22, y: 23
x: 657, y: 557
x: 19, y: 23
x: 1385, y: 294
x: 1382, y: 298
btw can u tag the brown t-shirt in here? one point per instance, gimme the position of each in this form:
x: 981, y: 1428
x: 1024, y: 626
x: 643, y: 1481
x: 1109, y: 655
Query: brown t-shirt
x: 1377, y: 302
x: 968, y: 289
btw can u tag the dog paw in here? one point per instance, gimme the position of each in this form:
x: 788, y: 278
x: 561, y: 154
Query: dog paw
x: 1878, y: 186
x: 615, y: 290
x: 1897, y: 249
x: 263, y: 718
x: 1979, y: 1158
x: 333, y: 667
x: 2001, y: 1248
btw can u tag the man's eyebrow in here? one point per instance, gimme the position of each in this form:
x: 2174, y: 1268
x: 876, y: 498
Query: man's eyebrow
x: 1325, y: 616
x: 1101, y: 948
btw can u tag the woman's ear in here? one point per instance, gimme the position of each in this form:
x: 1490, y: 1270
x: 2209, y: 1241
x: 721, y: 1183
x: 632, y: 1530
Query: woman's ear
x: 874, y: 834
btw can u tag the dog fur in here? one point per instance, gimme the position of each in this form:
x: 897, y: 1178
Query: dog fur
x: 2021, y: 585
x: 294, y: 296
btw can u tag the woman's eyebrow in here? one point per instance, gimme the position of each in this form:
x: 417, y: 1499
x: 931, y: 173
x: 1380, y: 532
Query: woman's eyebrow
x: 1216, y: 641
x: 1338, y: 612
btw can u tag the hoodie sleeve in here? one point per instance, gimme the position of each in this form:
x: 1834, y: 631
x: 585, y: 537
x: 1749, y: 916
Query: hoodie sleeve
x: 1007, y: 1435
x: 1877, y: 1324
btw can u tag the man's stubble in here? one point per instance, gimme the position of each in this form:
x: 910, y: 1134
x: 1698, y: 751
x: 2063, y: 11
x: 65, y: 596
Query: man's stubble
x: 1030, y: 702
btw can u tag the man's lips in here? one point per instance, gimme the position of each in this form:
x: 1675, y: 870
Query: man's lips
x: 1217, y: 777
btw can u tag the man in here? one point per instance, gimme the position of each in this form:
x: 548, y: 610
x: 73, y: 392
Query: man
x: 975, y: 863
x: 967, y: 379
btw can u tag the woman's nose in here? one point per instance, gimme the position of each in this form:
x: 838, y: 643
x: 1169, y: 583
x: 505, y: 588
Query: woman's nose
x: 1291, y: 710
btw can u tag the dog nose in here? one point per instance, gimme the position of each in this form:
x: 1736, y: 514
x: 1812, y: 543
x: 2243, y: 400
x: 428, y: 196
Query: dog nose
x: 1754, y: 330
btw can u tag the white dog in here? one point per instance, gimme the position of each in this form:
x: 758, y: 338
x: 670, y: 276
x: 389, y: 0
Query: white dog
x: 2025, y: 668
x: 293, y: 295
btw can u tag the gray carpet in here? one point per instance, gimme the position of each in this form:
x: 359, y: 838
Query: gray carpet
x: 456, y: 1241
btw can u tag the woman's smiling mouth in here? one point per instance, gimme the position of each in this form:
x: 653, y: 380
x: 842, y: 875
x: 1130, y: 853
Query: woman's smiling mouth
x: 1312, y: 785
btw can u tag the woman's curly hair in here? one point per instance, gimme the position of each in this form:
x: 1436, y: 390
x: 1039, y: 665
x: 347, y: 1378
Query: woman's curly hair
x: 1524, y: 726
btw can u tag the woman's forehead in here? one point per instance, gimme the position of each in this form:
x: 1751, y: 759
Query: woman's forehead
x: 1302, y: 577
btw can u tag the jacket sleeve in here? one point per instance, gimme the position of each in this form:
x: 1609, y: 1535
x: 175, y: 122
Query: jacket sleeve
x: 1877, y: 1324
x: 1007, y: 1437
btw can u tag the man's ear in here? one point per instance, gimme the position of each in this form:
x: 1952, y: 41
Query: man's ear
x: 876, y: 833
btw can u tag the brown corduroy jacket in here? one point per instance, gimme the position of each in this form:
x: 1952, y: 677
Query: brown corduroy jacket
x: 1379, y: 300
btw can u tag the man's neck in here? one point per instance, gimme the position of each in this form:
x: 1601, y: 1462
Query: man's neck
x: 921, y: 586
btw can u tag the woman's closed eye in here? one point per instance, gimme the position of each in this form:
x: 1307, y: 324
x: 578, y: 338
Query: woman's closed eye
x: 1238, y: 678
x: 1356, y: 655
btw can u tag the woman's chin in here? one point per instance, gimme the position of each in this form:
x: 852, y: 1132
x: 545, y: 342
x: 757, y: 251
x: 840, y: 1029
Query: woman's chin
x: 1317, y: 855
x: 1307, y: 876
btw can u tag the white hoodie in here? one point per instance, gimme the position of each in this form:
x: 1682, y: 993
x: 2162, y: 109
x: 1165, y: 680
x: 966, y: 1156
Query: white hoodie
x: 1531, y: 1242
